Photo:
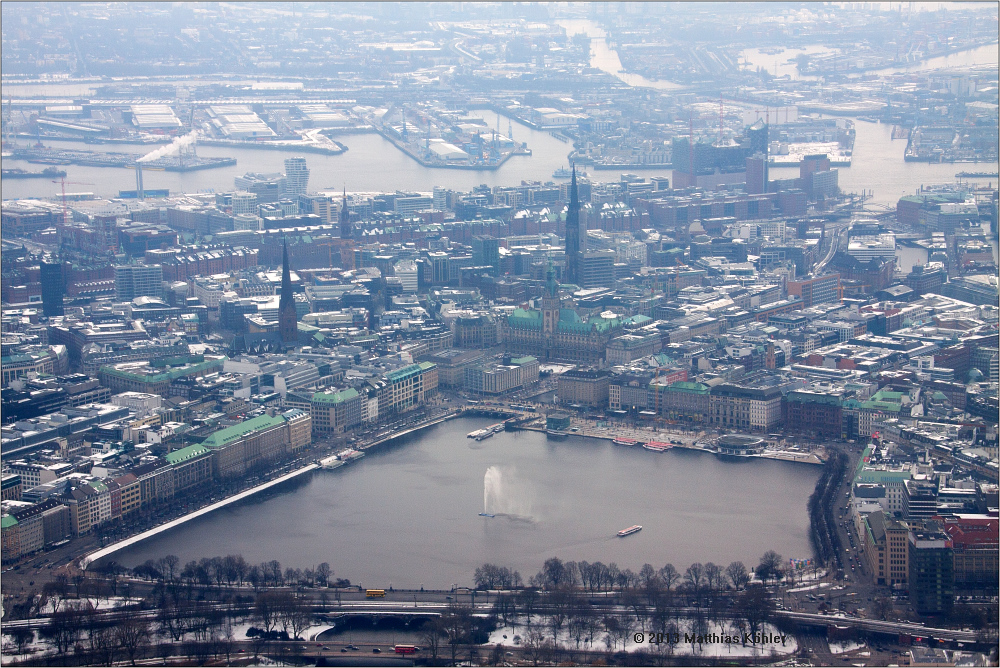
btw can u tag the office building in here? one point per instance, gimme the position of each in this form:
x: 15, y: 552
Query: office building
x: 406, y: 272
x: 244, y: 203
x: 138, y: 280
x: 296, y: 176
x: 818, y: 290
x: 53, y: 287
x: 931, y: 571
x: 486, y: 252
x: 597, y: 269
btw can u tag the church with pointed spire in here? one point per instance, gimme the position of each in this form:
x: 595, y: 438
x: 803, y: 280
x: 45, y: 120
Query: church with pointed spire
x: 573, y: 250
x: 288, y: 326
x: 344, y: 219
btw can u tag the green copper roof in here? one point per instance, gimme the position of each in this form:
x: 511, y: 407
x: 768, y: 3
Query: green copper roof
x: 184, y: 454
x: 236, y: 432
x: 334, y: 397
x: 8, y: 521
x: 524, y: 319
x: 689, y: 386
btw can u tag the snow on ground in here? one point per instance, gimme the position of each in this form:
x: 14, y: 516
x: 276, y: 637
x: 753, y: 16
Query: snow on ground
x: 809, y: 587
x: 714, y: 646
x: 96, y: 603
x: 39, y: 646
x: 844, y: 646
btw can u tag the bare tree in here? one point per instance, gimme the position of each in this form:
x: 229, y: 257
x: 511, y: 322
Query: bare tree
x: 298, y: 611
x: 737, y: 574
x: 755, y: 607
x: 713, y: 576
x: 227, y: 638
x: 266, y: 610
x: 22, y: 638
x: 534, y: 645
x: 456, y: 622
x: 170, y: 564
x: 670, y: 576
x: 882, y: 607
x: 64, y: 627
x: 770, y: 566
x: 323, y: 574
x: 432, y: 635
x: 132, y: 633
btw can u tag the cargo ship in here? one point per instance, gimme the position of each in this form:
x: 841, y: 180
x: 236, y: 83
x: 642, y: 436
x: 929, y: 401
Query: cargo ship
x: 635, y: 528
x: 564, y: 173
x: 48, y: 172
x: 626, y: 441
x: 658, y: 446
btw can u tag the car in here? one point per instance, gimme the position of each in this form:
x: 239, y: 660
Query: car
x: 343, y: 649
x: 376, y: 650
x: 354, y: 647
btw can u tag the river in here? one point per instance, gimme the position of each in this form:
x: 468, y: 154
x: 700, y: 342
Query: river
x: 371, y: 164
x: 407, y: 515
x: 783, y: 64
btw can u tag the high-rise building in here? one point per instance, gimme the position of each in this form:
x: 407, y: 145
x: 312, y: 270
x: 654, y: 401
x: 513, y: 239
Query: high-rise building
x: 53, y: 287
x: 244, y: 203
x: 296, y: 176
x: 287, y: 319
x: 138, y: 280
x: 931, y: 570
x: 597, y: 269
x: 573, y: 234
x: 267, y: 187
x: 810, y: 165
x: 406, y: 272
x: 486, y: 252
x: 757, y: 142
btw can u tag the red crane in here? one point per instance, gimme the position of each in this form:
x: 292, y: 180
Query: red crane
x: 63, y: 181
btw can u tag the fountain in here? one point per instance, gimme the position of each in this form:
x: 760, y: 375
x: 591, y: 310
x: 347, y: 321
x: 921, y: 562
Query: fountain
x: 502, y: 495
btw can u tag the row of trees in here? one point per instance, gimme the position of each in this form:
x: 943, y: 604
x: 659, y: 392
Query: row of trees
x: 230, y: 570
x: 599, y: 577
x: 823, y: 525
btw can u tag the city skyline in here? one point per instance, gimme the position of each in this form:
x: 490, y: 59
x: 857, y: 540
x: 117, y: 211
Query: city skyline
x: 574, y: 333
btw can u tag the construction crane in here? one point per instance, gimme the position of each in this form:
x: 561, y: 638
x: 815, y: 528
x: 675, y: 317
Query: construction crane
x: 63, y: 182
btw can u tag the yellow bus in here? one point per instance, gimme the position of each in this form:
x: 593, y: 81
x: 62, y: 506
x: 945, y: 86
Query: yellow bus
x: 375, y: 593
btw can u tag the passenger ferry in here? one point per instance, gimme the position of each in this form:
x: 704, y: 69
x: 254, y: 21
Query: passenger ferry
x: 485, y: 433
x: 658, y: 446
x: 556, y: 433
x: 621, y: 440
x: 635, y: 528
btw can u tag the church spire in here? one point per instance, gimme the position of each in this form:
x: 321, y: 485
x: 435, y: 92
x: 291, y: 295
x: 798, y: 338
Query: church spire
x: 574, y: 196
x: 344, y: 218
x: 573, y: 246
x: 287, y: 318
